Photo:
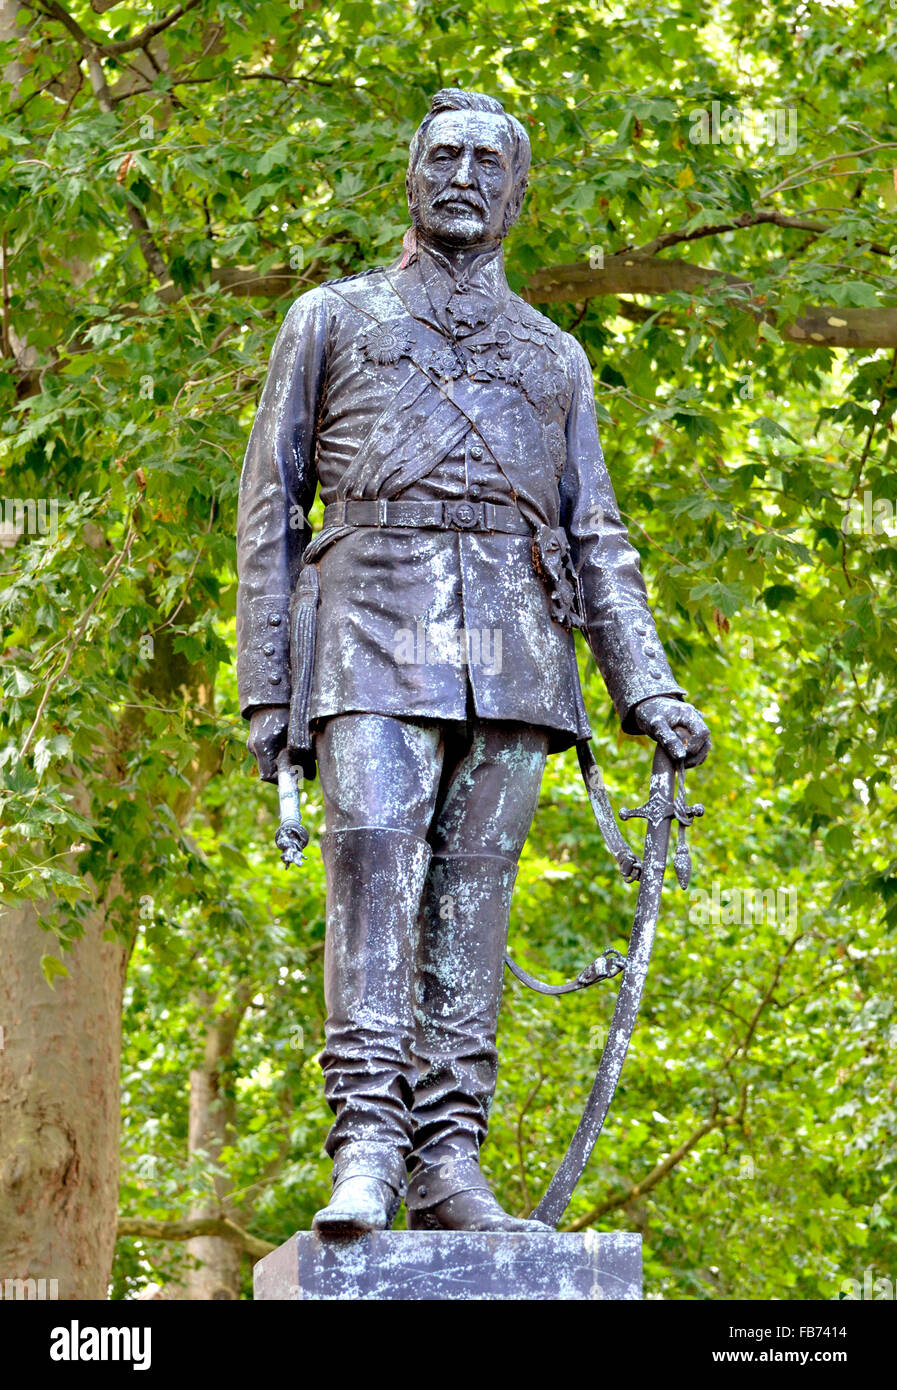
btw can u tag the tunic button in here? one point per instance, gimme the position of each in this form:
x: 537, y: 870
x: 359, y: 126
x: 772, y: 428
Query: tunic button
x: 655, y: 675
x: 274, y: 619
x: 474, y: 493
x: 274, y: 678
x: 476, y: 451
x: 268, y: 649
x: 422, y: 1190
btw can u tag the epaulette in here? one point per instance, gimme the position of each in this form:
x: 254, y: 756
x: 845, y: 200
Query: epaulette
x: 359, y: 275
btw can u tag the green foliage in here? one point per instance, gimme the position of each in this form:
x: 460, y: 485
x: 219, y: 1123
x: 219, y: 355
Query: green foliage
x: 270, y: 136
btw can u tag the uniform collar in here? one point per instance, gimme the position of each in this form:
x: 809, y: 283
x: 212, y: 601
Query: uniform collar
x: 465, y: 301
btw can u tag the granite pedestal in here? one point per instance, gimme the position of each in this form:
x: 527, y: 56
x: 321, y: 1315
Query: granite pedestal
x: 454, y: 1265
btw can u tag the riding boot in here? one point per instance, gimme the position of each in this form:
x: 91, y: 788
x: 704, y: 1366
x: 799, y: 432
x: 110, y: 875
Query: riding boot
x: 462, y: 934
x: 375, y: 878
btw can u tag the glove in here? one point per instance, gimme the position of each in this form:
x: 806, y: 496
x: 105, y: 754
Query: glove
x: 267, y: 736
x: 660, y: 717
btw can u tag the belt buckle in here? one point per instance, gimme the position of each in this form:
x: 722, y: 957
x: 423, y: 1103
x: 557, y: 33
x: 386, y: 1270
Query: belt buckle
x: 463, y: 516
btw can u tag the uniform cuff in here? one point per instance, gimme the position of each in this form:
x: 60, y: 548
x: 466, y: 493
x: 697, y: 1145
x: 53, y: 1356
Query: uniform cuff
x: 263, y: 659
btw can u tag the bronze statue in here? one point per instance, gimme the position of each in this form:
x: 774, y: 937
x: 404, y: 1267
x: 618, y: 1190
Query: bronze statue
x: 426, y: 638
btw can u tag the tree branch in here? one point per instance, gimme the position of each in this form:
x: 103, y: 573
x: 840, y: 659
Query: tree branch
x: 93, y: 52
x: 657, y: 1174
x: 533, y: 1092
x: 53, y: 10
x: 150, y: 32
x: 151, y: 253
x: 716, y: 1121
x: 748, y: 219
x: 245, y: 281
x: 627, y: 273
x: 748, y: 1038
x: 220, y: 1226
x: 788, y: 183
x: 630, y: 272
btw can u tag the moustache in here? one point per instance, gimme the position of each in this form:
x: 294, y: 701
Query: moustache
x: 465, y: 201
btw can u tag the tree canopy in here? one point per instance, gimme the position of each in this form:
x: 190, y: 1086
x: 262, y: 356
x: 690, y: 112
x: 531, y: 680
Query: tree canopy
x: 711, y: 212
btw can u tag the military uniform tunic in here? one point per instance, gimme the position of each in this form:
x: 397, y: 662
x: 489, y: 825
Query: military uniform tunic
x: 409, y: 386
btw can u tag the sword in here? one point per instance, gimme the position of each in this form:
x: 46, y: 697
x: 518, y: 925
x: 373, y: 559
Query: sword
x: 659, y: 812
x: 661, y: 808
x: 291, y: 837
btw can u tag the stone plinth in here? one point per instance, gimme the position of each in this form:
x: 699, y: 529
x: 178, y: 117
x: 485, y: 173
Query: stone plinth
x: 447, y: 1265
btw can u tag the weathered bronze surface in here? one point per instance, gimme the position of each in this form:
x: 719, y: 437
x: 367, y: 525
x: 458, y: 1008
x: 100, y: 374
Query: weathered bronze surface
x: 492, y: 1267
x: 425, y: 637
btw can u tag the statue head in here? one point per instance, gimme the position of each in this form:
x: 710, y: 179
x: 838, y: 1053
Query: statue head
x: 467, y: 170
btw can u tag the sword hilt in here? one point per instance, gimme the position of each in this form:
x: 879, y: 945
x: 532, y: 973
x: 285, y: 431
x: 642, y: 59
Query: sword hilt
x: 676, y: 809
x: 291, y: 837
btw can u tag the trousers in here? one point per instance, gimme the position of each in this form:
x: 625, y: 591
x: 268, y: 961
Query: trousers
x: 425, y: 823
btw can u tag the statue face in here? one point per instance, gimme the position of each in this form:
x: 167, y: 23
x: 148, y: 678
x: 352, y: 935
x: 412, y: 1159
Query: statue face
x: 464, y: 179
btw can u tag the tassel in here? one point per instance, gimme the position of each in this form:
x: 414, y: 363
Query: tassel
x: 304, y: 619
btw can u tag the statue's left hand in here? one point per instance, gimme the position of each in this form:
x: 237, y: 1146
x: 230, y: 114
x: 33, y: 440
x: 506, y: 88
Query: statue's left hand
x: 660, y: 717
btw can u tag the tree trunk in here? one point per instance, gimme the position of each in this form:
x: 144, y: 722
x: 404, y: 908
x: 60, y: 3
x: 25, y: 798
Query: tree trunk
x: 212, y: 1126
x: 60, y: 1072
x: 59, y: 1107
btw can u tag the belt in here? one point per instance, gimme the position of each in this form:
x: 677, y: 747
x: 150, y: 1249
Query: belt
x: 462, y: 515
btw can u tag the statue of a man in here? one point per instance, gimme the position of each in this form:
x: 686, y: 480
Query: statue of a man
x: 469, y: 527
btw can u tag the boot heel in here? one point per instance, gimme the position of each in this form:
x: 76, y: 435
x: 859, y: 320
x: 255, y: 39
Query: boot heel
x: 392, y: 1210
x: 422, y: 1221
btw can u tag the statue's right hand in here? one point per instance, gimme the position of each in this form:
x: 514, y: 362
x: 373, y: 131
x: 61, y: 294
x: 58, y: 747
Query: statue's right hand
x: 267, y: 736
